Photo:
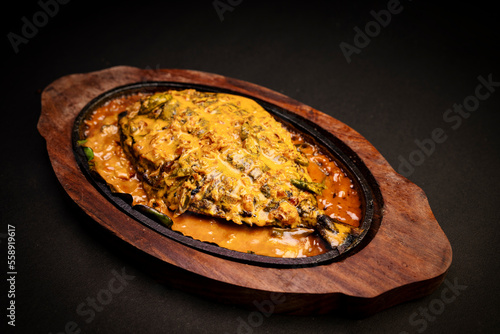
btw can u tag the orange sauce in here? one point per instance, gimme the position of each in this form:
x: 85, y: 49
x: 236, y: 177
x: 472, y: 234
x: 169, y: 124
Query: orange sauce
x: 340, y: 199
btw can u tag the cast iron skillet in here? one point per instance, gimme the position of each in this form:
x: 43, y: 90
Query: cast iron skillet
x: 350, y: 162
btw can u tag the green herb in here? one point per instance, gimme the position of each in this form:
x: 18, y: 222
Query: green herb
x: 88, y: 153
x: 316, y: 188
x: 155, y: 214
x: 81, y: 142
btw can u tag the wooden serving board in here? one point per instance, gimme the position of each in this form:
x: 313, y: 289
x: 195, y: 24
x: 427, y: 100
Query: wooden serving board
x: 406, y: 254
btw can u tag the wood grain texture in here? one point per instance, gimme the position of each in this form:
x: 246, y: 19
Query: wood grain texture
x: 406, y: 258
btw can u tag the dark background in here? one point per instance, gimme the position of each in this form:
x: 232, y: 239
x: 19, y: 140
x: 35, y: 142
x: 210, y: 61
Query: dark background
x: 395, y: 91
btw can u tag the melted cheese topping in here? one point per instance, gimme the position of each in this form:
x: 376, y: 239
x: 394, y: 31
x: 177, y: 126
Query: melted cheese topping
x: 229, y: 150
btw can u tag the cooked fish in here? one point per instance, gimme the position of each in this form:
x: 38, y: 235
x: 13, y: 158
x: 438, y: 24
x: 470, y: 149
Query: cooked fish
x: 223, y: 156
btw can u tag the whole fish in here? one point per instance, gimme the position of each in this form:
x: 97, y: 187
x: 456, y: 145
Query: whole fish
x: 224, y: 156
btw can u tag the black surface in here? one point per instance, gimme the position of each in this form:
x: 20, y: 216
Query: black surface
x: 394, y: 92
